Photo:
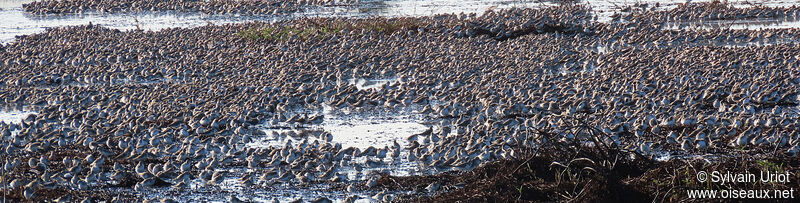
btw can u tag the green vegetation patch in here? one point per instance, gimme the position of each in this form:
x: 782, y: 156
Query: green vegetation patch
x: 320, y: 28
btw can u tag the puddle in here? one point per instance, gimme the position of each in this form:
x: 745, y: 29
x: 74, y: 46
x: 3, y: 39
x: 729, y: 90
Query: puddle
x: 362, y: 83
x: 350, y: 129
x: 14, y: 116
x: 375, y: 132
x: 601, y: 49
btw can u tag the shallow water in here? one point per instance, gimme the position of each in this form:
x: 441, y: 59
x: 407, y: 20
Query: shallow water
x: 14, y: 116
x: 374, y: 128
x: 363, y: 83
x: 17, y: 22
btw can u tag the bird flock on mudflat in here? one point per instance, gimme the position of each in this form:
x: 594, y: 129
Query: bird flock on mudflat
x: 246, y: 7
x: 124, y: 114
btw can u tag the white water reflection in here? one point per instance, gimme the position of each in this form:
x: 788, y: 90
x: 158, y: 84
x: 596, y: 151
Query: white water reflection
x: 14, y: 116
x: 363, y: 83
x: 16, y: 22
x: 360, y: 130
x: 603, y: 9
x: 404, y: 8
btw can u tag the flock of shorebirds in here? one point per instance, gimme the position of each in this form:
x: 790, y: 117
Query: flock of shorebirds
x: 248, y: 7
x: 143, y: 111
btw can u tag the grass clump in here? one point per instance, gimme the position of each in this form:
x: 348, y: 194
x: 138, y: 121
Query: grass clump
x: 320, y: 28
x: 770, y: 166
